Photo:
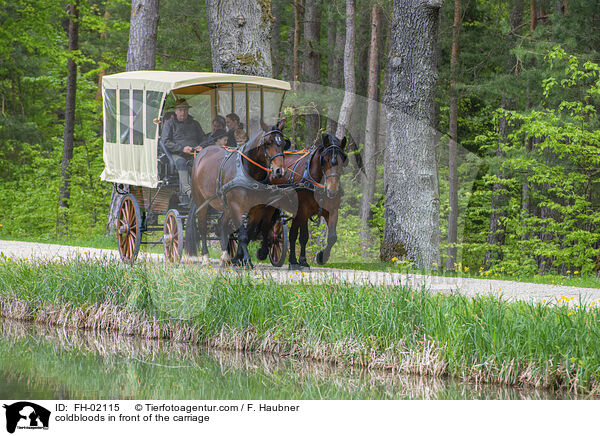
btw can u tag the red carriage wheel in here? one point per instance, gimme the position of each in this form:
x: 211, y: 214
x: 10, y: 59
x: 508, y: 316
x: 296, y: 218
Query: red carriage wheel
x: 278, y: 238
x: 173, y: 237
x: 129, y: 232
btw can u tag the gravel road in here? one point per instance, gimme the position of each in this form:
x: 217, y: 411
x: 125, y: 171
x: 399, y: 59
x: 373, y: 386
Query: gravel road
x: 509, y: 290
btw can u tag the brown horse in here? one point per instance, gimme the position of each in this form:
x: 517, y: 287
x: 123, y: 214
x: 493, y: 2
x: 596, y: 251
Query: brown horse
x: 316, y: 179
x: 232, y: 181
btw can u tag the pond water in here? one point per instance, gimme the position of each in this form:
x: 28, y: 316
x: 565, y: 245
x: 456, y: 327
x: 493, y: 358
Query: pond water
x: 48, y: 363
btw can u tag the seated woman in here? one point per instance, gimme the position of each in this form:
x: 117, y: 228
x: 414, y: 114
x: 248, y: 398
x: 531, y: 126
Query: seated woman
x: 233, y: 123
x: 218, y: 123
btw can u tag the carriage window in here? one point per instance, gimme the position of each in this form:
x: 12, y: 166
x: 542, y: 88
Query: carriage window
x: 138, y: 117
x: 110, y: 115
x: 124, y: 115
x: 240, y: 104
x: 272, y: 103
x: 153, y: 100
x: 224, y: 95
x: 201, y: 109
x: 254, y: 111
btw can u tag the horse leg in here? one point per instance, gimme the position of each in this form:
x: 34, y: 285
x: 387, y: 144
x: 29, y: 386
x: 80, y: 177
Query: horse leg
x: 293, y: 235
x: 224, y: 239
x: 202, y: 220
x: 303, y: 241
x: 323, y: 256
x: 265, y: 227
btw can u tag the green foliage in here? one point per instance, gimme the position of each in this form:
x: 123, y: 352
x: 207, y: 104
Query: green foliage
x: 554, y: 152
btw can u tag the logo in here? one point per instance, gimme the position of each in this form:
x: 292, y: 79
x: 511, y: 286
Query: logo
x: 26, y: 415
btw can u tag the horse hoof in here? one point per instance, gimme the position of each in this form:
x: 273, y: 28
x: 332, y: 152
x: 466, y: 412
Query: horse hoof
x: 302, y: 261
x: 295, y: 267
x: 319, y: 258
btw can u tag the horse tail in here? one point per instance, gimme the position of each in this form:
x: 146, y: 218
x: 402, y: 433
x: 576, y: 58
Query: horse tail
x: 191, y: 231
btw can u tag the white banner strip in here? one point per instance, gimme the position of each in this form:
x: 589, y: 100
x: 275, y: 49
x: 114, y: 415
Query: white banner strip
x: 198, y: 417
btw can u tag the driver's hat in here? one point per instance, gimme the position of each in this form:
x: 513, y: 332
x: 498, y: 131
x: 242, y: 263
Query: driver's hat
x: 181, y: 103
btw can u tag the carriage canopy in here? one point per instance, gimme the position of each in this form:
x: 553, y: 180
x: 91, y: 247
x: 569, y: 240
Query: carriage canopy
x: 134, y: 102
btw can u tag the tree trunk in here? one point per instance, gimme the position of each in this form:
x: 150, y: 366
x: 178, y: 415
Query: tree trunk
x: 298, y: 11
x: 69, y: 132
x: 312, y: 61
x: 335, y: 77
x: 276, y: 39
x: 496, y: 233
x: 143, y: 29
x: 533, y: 15
x: 349, y: 78
x: 102, y: 72
x: 141, y: 55
x: 370, y: 151
x: 331, y: 35
x: 453, y: 146
x: 240, y: 36
x: 410, y: 173
x: 288, y: 67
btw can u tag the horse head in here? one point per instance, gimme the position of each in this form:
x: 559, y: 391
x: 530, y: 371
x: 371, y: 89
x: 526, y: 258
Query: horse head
x: 273, y: 144
x: 332, y: 158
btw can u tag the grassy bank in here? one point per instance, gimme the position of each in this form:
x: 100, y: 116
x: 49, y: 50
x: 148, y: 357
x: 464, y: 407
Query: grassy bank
x: 392, y: 328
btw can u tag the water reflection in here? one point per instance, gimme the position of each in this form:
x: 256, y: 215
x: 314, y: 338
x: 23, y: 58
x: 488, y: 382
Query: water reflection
x: 49, y: 363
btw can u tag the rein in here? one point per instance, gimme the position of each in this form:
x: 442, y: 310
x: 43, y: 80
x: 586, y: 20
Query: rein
x: 231, y: 150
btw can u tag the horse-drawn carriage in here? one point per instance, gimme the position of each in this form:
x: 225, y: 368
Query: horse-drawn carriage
x: 238, y: 193
x: 143, y: 170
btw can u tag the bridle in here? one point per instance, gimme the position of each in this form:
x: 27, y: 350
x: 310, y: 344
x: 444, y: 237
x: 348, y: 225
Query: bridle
x: 335, y: 151
x: 282, y: 144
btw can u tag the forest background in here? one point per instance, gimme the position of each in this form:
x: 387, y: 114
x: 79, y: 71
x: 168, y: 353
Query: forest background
x: 518, y: 80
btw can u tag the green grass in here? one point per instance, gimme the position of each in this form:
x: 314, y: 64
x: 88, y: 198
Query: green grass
x: 388, y: 327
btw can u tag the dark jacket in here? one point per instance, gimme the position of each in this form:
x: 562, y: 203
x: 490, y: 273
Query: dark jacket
x: 231, y: 142
x: 176, y: 134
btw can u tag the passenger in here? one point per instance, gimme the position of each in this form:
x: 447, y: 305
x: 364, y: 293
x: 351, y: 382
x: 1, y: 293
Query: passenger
x: 241, y: 137
x: 218, y: 123
x: 233, y: 123
x: 181, y: 136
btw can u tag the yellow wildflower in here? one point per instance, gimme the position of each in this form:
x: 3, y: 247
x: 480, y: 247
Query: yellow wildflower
x: 394, y: 259
x: 575, y: 272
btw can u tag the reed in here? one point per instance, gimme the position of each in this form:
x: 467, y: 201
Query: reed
x: 393, y: 328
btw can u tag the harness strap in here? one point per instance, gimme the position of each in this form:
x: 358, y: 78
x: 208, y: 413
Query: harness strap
x: 246, y: 157
x: 307, y: 170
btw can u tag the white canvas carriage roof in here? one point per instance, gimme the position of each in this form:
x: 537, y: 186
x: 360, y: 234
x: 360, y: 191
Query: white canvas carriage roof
x: 173, y: 80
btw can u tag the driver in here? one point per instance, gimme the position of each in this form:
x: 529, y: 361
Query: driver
x: 182, y: 135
